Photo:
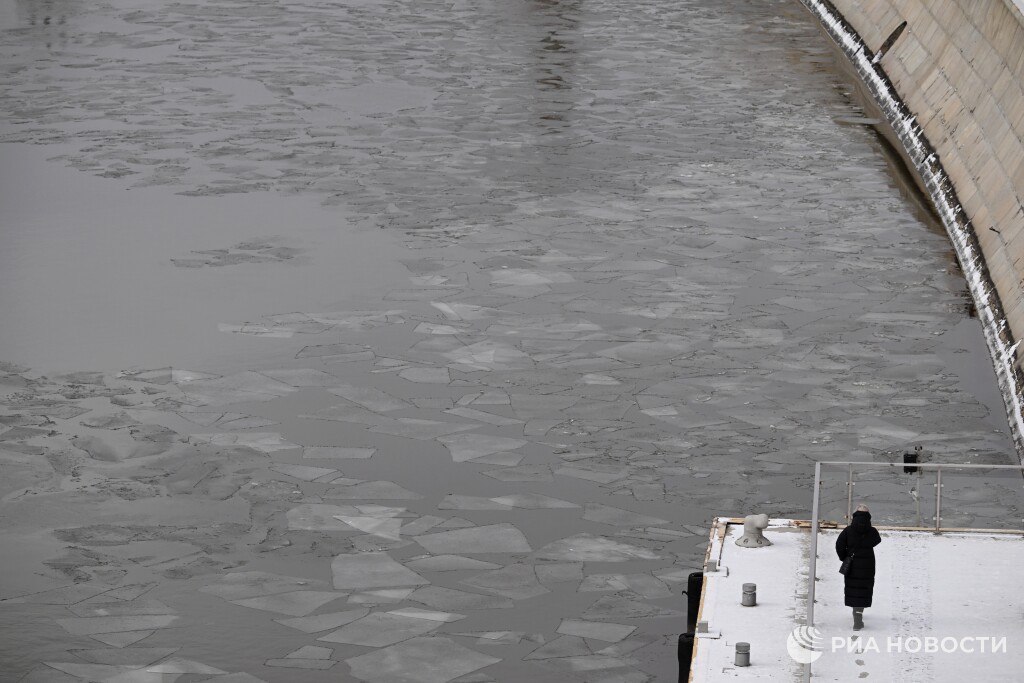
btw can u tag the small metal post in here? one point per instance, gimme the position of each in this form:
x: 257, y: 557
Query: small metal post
x: 938, y: 500
x: 742, y: 654
x: 749, y: 598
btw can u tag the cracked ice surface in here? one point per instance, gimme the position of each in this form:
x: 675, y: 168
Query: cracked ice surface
x: 466, y: 421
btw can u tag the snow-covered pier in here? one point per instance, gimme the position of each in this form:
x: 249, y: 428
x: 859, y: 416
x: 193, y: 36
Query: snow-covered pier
x: 944, y: 609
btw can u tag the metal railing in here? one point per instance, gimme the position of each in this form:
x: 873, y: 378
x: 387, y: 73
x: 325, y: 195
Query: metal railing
x: 887, y: 487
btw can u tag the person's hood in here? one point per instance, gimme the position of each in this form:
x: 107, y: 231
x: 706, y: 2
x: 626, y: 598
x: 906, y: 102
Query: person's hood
x: 861, y: 518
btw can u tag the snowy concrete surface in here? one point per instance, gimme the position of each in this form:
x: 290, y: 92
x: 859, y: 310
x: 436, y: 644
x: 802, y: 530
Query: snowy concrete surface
x: 946, y: 608
x: 780, y: 572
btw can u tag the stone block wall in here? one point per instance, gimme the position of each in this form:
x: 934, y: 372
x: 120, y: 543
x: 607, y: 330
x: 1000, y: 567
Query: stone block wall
x: 959, y: 67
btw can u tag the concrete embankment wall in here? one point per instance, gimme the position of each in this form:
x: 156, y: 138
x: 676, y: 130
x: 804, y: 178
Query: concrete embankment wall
x: 959, y: 67
x: 952, y: 86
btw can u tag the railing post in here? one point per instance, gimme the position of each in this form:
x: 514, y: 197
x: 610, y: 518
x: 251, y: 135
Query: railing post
x: 938, y: 500
x: 849, y: 495
x: 813, y: 564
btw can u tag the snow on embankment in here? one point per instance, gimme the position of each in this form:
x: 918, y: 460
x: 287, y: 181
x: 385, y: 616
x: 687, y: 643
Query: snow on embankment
x: 950, y: 88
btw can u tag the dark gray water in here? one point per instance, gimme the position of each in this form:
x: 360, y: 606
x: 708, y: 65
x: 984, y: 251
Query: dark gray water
x: 541, y: 285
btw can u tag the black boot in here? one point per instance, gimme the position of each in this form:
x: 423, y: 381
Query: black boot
x: 858, y: 619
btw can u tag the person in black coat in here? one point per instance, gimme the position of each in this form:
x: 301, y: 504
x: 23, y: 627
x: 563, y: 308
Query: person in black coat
x: 859, y: 539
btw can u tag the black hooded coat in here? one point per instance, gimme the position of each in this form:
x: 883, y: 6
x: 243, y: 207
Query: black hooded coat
x: 860, y: 538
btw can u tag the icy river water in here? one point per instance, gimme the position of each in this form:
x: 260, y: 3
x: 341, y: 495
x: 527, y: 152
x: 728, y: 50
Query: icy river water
x: 394, y: 341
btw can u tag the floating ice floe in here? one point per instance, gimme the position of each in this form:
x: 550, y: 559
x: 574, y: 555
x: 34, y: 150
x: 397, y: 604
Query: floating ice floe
x: 371, y: 490
x: 380, y: 596
x: 237, y: 388
x: 489, y: 355
x: 295, y: 604
x: 177, y: 665
x: 91, y: 672
x: 495, y: 637
x: 483, y: 416
x: 86, y: 626
x: 446, y: 617
x: 465, y: 447
x: 533, y: 501
x: 456, y: 502
x: 304, y: 473
x: 619, y: 265
x: 447, y: 563
x: 241, y: 585
x: 606, y: 514
x: 426, y: 430
x: 644, y: 585
x: 537, y: 405
x: 311, y: 652
x: 540, y: 427
x: 597, y: 662
x: 520, y: 276
x: 379, y: 629
x: 302, y: 377
x: 117, y: 449
x: 521, y: 473
x: 238, y: 677
x: 449, y: 599
x: 290, y: 662
x: 589, y: 548
x: 385, y: 527
x: 432, y: 328
x: 651, y: 533
x: 118, y: 420
x: 419, y: 660
x: 551, y: 327
x: 372, y: 570
x: 165, y: 375
x: 319, y: 517
x: 563, y: 646
x: 592, y: 470
x: 347, y: 412
x: 359, y: 320
x: 516, y: 581
x: 225, y: 420
x: 324, y: 622
x: 646, y: 352
x: 559, y: 572
x: 421, y: 525
x: 266, y: 442
x: 257, y: 330
x: 136, y: 656
x: 426, y: 375
x: 617, y: 607
x: 459, y: 311
x: 301, y: 323
x: 333, y: 351
x: 491, y: 398
x: 494, y: 538
x: 599, y: 380
x: 370, y: 398
x: 337, y: 452
x: 122, y: 639
x: 611, y: 633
